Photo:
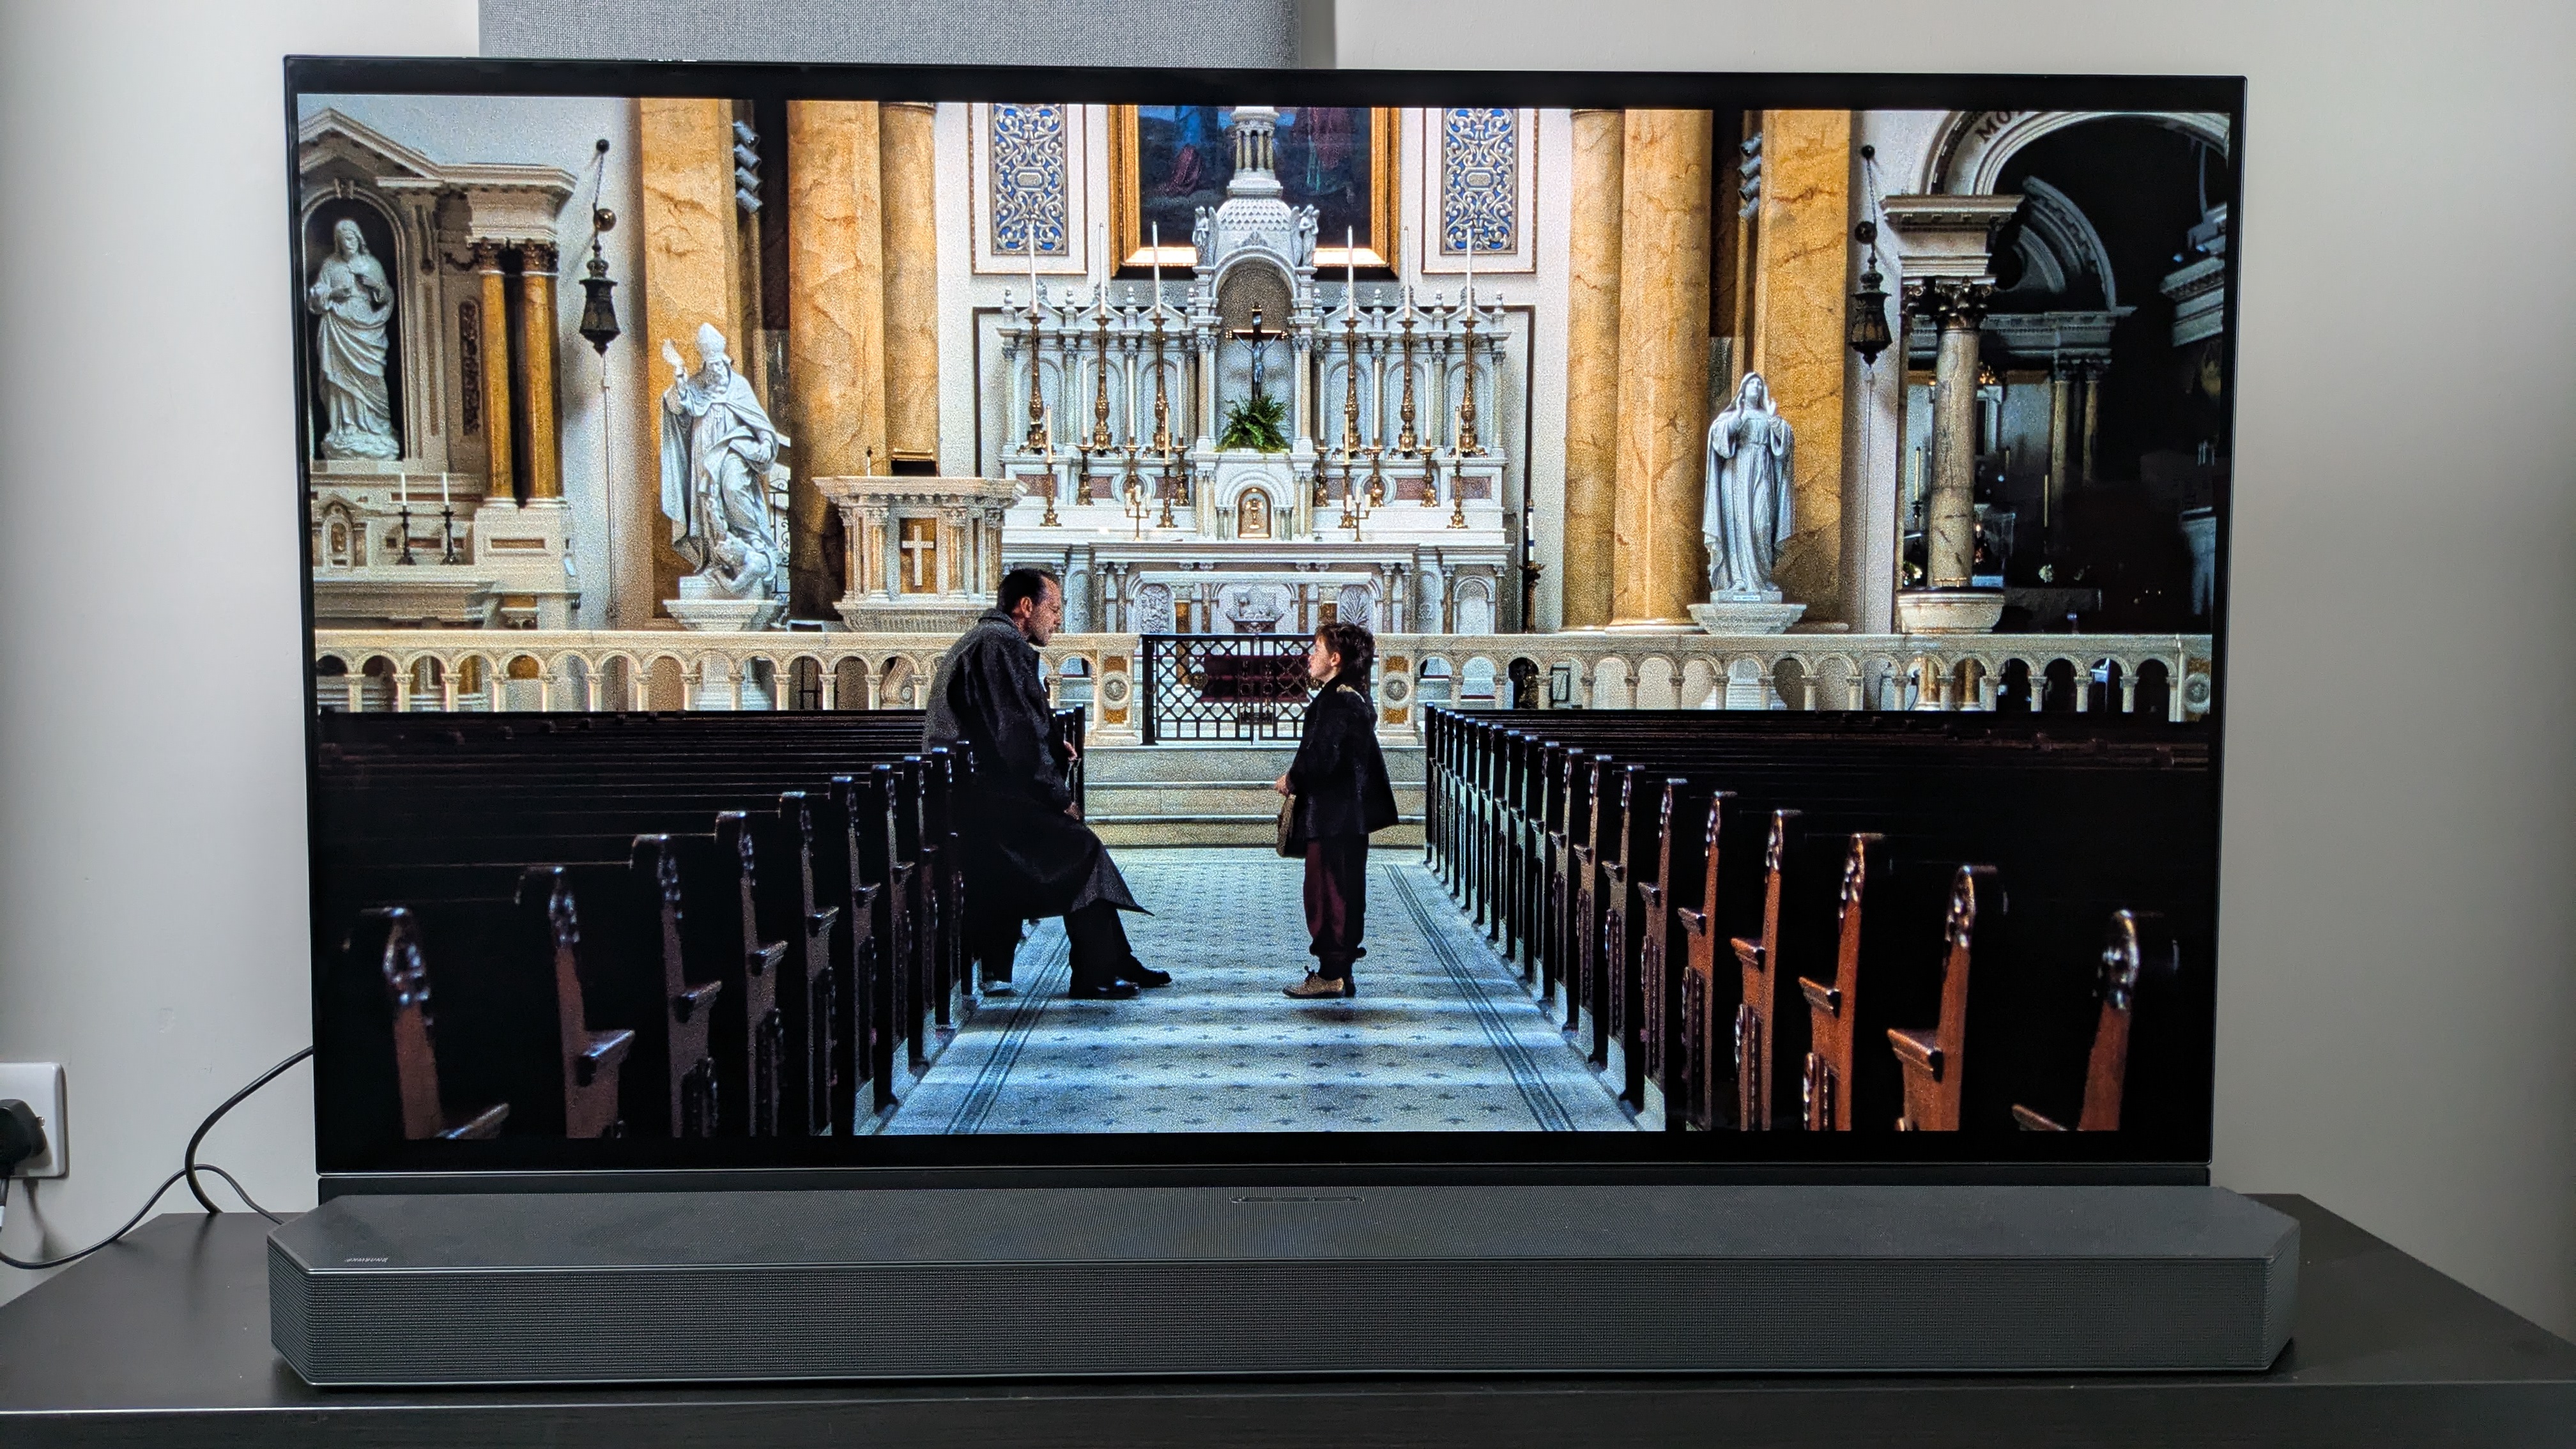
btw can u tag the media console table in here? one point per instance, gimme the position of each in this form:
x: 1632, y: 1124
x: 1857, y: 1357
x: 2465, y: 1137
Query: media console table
x: 164, y: 1341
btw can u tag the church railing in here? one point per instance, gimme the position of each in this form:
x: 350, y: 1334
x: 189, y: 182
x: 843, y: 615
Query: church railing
x: 2168, y: 675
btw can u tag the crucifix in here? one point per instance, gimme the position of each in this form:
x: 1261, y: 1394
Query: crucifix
x: 1254, y: 335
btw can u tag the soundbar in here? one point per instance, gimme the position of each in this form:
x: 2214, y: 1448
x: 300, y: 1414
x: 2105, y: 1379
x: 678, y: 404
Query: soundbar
x: 595, y: 1288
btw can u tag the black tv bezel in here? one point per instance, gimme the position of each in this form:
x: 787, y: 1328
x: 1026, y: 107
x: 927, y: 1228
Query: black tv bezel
x: 512, y: 1165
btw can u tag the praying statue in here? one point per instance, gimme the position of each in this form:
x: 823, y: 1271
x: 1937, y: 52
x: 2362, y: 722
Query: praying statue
x: 718, y: 446
x: 1745, y: 514
x: 355, y: 303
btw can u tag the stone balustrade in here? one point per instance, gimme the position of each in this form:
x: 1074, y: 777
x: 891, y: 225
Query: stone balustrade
x: 473, y: 669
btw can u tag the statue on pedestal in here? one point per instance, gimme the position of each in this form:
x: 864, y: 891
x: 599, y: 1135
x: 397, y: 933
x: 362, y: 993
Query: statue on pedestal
x: 718, y: 447
x: 1745, y: 514
x: 355, y: 302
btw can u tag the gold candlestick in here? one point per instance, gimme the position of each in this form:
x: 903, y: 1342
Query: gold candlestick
x: 1467, y: 447
x: 1406, y: 443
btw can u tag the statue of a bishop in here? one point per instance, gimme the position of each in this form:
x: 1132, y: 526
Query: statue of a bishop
x: 718, y: 446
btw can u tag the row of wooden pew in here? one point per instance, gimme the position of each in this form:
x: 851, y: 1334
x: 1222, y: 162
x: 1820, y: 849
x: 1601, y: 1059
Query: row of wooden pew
x: 1851, y: 922
x: 593, y: 925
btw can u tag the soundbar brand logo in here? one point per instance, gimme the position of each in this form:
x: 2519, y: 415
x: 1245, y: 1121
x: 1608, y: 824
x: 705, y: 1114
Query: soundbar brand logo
x: 1297, y: 1199
x: 366, y: 1260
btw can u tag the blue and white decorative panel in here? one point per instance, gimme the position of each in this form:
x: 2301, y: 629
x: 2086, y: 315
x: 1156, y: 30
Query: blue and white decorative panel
x: 1028, y: 165
x: 1471, y: 179
x: 1479, y: 181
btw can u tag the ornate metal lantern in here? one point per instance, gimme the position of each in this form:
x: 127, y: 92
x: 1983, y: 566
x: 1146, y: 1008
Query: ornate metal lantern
x: 599, y: 306
x: 1869, y: 335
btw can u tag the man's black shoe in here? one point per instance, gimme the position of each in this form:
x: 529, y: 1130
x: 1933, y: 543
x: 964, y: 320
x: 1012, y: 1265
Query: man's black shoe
x: 1143, y: 975
x: 1113, y: 991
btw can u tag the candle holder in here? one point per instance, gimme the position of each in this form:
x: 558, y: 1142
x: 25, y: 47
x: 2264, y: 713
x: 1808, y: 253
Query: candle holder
x: 1132, y: 495
x: 404, y: 517
x: 1163, y: 485
x: 1049, y: 520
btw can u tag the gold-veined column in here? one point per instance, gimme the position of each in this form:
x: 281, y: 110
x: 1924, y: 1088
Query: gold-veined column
x: 910, y: 197
x: 1658, y: 560
x: 499, y: 481
x: 1801, y: 300
x: 685, y: 151
x: 835, y: 319
x: 536, y: 377
x: 1592, y: 371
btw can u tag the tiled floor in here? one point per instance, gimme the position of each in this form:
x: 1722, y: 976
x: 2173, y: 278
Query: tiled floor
x: 1441, y: 1037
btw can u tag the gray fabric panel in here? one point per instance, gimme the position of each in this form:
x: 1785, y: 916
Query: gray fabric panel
x: 1256, y: 33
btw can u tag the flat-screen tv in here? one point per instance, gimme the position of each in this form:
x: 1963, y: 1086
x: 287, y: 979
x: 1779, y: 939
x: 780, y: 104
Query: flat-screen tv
x: 821, y: 579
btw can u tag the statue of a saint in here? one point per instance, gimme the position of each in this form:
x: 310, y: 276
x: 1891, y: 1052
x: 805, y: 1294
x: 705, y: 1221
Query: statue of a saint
x: 1745, y: 514
x: 718, y: 446
x: 355, y: 303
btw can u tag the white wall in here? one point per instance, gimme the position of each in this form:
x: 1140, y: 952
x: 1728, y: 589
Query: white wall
x: 2397, y: 1032
x: 152, y: 901
x: 2397, y: 1008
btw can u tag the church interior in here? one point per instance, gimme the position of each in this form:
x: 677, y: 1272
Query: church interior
x: 732, y: 414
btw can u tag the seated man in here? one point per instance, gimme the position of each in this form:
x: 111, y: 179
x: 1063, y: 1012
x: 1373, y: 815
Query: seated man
x: 1027, y: 852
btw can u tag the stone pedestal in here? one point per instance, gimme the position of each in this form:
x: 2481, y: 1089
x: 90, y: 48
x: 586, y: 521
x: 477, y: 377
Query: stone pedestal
x: 1948, y: 611
x: 723, y: 616
x: 1746, y: 616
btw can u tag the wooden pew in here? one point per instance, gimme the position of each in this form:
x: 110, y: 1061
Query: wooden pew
x: 379, y: 992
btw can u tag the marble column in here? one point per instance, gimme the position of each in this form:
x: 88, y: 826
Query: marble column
x: 2061, y: 388
x: 911, y: 256
x: 2092, y: 417
x: 1663, y: 358
x: 1958, y: 309
x: 499, y: 476
x: 1802, y: 287
x: 544, y: 467
x: 836, y: 309
x: 687, y: 233
x: 1592, y: 370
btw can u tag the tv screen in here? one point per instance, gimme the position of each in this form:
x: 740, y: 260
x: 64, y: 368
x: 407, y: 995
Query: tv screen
x: 875, y: 621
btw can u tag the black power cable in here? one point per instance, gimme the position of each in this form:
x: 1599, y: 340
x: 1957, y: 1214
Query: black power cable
x: 188, y: 1169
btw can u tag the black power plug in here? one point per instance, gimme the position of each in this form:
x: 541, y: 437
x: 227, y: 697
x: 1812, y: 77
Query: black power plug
x: 21, y: 1135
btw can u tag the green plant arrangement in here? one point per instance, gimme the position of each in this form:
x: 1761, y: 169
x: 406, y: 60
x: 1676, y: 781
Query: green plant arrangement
x: 1255, y: 423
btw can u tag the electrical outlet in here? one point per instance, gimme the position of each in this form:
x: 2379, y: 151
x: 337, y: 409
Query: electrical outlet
x: 40, y: 1086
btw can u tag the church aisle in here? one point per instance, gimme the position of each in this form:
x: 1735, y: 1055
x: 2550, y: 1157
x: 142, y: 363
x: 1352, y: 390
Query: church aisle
x: 1442, y: 1037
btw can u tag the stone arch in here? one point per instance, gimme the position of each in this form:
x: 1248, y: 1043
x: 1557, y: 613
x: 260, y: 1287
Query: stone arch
x: 617, y: 682
x: 1793, y: 684
x: 2155, y: 696
x: 1610, y: 687
x: 1472, y: 603
x: 1434, y: 682
x: 1698, y: 687
x: 666, y: 684
x: 1654, y: 689
x: 1476, y: 681
x: 1974, y: 146
x: 853, y: 683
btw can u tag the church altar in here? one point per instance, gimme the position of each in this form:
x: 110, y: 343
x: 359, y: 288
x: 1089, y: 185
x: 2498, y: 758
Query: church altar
x: 1174, y: 491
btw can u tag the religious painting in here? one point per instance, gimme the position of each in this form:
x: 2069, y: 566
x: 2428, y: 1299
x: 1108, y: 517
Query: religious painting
x: 1166, y: 162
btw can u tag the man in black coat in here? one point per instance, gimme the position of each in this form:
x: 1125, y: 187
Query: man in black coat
x: 1027, y: 852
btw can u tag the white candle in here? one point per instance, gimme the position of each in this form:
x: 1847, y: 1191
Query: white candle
x: 1158, y: 269
x: 442, y: 491
x: 1351, y: 270
x: 1469, y: 297
x: 402, y: 490
x: 1032, y: 237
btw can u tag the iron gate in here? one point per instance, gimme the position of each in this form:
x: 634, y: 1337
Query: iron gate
x: 1224, y: 686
